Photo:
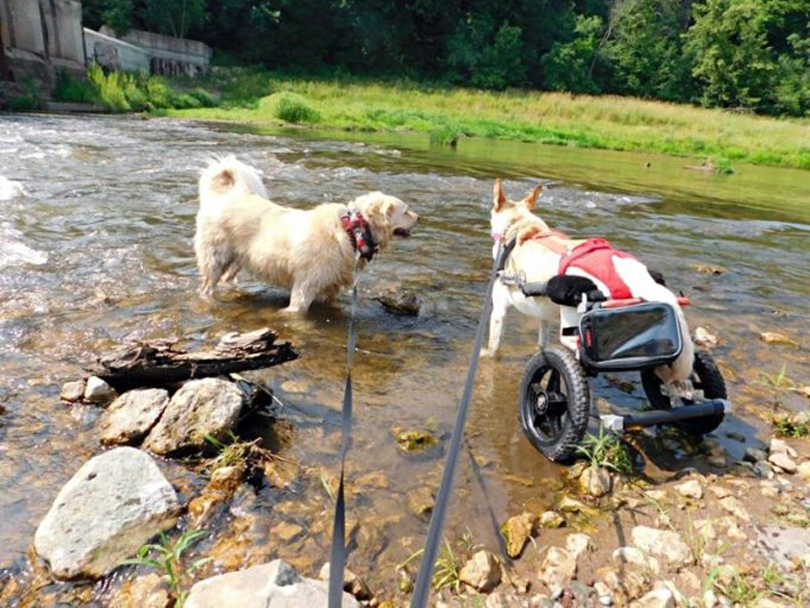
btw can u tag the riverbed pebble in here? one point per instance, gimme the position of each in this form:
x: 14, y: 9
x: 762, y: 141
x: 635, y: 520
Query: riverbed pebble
x: 72, y: 391
x: 481, y: 572
x: 114, y: 503
x: 98, y: 391
x: 132, y: 415
x: 666, y: 544
x: 783, y: 461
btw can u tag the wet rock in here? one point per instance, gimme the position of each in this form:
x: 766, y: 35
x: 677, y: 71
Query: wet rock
x: 558, y: 569
x: 595, y: 481
x: 481, y: 572
x: 709, y: 269
x: 630, y: 556
x: 114, y: 503
x: 412, y: 441
x: 772, y: 337
x: 209, y: 406
x: 755, y: 455
x: 398, y: 302
x: 657, y: 598
x: 783, y: 461
x: 351, y: 583
x: 72, y: 391
x: 551, y: 520
x: 97, y: 391
x: 664, y: 544
x: 217, y: 494
x: 577, y: 544
x: 571, y: 505
x: 286, y: 531
x: 420, y: 501
x: 704, y: 338
x: 690, y: 489
x: 517, y: 531
x: 132, y: 416
x: 149, y: 591
x: 271, y: 584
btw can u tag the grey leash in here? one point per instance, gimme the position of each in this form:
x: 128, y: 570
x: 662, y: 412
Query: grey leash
x: 421, y: 591
x: 337, y: 562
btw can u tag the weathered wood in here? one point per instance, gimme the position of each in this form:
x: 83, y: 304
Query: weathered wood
x: 158, y: 362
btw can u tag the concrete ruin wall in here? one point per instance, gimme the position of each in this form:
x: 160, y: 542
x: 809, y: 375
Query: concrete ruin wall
x: 114, y: 54
x: 168, y: 55
x: 40, y: 37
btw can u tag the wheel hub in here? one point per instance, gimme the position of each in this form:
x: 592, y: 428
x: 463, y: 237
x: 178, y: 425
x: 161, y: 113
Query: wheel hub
x: 541, y: 404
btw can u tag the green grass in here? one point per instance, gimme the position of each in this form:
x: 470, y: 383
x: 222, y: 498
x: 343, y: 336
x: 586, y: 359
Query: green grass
x: 607, y: 450
x: 123, y: 92
x: 446, y: 114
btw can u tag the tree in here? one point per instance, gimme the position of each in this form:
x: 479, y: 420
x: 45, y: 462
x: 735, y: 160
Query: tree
x: 567, y: 66
x: 117, y: 14
x: 173, y: 17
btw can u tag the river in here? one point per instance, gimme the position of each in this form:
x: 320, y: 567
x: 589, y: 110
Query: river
x: 100, y: 252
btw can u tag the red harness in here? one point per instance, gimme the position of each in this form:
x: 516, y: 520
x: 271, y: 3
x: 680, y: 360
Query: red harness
x: 359, y: 233
x: 595, y: 256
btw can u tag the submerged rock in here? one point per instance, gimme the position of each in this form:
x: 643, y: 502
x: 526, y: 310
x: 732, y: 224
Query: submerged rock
x: 772, y: 337
x: 98, y: 391
x: 704, y: 338
x: 517, y: 531
x: 114, y: 503
x: 401, y: 303
x: 132, y: 416
x: 209, y: 406
x: 412, y: 441
x: 271, y: 584
x: 72, y: 391
x: 420, y: 501
x: 481, y: 572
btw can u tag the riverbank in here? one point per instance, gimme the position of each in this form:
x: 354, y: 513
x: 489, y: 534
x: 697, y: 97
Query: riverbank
x: 447, y: 114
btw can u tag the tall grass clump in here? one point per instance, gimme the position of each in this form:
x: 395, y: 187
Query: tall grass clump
x: 70, y: 89
x: 290, y: 107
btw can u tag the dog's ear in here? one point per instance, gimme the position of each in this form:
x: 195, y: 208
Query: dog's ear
x: 499, y: 197
x: 531, y: 198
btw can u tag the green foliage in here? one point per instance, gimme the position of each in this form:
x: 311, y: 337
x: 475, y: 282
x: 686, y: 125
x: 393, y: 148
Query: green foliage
x: 28, y: 101
x: 290, y: 107
x: 174, y: 17
x: 486, y: 57
x: 70, y: 89
x: 123, y: 92
x: 569, y: 66
x: 117, y: 14
x: 166, y: 557
x: 607, y: 450
x: 791, y: 425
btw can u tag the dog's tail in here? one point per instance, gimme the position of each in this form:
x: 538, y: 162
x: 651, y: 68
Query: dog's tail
x: 229, y: 177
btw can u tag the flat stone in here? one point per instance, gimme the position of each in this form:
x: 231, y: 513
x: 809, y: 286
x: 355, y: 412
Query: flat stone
x: 690, y: 489
x: 551, y: 519
x: 657, y: 598
x: 786, y: 545
x: 772, y: 337
x: 783, y: 461
x: 401, y: 303
x: 209, y: 406
x: 571, y: 505
x: 664, y: 544
x: 777, y: 446
x: 98, y: 391
x: 267, y: 585
x: 114, y: 504
x: 632, y: 556
x: 481, y: 572
x: 72, y: 391
x: 577, y: 544
x: 755, y: 455
x: 735, y: 507
x: 132, y: 416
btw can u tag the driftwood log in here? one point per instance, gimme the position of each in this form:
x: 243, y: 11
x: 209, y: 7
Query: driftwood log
x: 158, y: 362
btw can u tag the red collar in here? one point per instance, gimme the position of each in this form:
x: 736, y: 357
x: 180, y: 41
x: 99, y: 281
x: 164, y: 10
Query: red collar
x: 359, y: 233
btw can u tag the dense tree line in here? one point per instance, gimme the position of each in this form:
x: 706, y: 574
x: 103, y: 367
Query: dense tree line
x: 746, y: 54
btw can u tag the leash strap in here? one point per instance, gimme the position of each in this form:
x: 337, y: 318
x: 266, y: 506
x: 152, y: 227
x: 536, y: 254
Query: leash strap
x: 421, y: 592
x: 337, y: 563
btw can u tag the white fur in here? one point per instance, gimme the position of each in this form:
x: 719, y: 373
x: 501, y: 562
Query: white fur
x: 308, y: 252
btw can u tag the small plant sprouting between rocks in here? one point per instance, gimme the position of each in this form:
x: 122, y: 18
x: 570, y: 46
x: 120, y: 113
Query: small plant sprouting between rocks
x: 447, y: 572
x: 167, y: 558
x: 791, y: 425
x: 778, y: 384
x: 607, y: 450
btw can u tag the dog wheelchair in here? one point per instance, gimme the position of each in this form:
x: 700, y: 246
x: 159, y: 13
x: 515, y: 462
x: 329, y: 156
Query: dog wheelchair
x: 603, y: 335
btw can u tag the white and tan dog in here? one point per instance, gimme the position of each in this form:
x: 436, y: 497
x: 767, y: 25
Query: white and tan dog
x: 537, y: 261
x: 310, y: 252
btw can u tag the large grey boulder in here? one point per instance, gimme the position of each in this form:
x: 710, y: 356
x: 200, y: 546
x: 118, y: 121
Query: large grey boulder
x: 114, y: 504
x: 201, y: 407
x: 271, y: 585
x: 132, y: 416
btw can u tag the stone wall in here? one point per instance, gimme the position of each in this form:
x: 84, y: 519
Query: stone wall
x: 168, y: 55
x: 39, y: 38
x: 114, y: 54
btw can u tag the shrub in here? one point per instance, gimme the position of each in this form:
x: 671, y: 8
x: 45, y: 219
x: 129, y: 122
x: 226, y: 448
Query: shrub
x: 290, y: 107
x: 70, y: 89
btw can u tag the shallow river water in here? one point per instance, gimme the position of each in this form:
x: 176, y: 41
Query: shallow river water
x: 99, y: 251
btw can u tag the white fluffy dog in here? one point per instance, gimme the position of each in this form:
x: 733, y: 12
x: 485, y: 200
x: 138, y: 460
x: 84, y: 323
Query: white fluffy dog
x: 312, y: 253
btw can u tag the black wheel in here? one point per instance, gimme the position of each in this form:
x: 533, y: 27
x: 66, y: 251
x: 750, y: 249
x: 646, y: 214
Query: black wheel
x: 706, y: 377
x: 554, y: 403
